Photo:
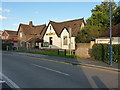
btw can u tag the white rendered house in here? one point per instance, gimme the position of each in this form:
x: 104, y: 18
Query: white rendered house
x: 57, y: 34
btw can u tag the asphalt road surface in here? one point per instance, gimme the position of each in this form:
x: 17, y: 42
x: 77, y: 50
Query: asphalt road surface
x: 31, y: 72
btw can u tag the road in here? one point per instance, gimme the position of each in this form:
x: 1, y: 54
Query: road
x: 31, y: 72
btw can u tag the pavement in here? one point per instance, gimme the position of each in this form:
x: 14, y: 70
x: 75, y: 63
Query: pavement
x: 74, y: 61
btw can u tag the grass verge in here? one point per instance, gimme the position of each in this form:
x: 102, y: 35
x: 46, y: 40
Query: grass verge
x: 50, y: 53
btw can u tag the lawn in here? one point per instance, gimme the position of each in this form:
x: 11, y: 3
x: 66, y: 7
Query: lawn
x: 50, y: 53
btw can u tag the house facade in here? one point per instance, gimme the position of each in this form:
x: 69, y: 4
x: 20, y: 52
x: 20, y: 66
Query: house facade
x: 62, y: 34
x: 29, y: 35
x: 10, y: 36
x: 56, y: 35
x: 105, y: 38
x: 1, y: 34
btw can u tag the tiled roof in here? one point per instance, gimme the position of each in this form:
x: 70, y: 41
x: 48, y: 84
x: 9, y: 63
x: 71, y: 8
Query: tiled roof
x: 43, y: 32
x: 32, y: 30
x: 40, y: 30
x: 35, y: 38
x: 11, y: 33
x: 75, y: 26
x: 115, y: 32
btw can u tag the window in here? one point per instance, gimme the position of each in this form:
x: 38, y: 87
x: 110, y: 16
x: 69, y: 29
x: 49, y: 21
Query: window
x: 6, y: 37
x: 27, y: 44
x: 20, y: 34
x: 65, y: 40
x: 50, y: 40
x: 21, y: 43
x: 50, y: 27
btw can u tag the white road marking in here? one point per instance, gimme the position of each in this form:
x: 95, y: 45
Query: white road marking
x: 9, y: 81
x: 51, y: 70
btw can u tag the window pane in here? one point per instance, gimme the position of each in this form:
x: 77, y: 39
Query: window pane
x: 65, y: 40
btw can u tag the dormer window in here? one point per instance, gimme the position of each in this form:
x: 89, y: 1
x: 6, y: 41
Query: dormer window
x: 20, y: 34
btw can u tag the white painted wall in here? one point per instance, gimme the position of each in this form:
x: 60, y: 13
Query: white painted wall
x: 82, y: 26
x: 65, y: 33
x: 56, y: 39
x: 115, y: 40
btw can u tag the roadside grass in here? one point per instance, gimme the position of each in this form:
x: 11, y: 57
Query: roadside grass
x: 55, y: 53
x: 50, y: 53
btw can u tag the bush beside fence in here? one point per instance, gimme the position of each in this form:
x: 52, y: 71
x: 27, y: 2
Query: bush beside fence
x: 102, y: 52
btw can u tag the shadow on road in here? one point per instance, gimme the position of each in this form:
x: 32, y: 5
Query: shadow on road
x: 98, y: 82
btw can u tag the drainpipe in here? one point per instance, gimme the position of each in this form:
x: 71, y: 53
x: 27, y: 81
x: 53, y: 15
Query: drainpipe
x: 70, y: 31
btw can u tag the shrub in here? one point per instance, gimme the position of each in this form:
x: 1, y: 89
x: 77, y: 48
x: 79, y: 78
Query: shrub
x: 102, y: 52
x: 4, y: 46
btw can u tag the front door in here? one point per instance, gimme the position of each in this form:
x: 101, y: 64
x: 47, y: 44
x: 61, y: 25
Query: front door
x: 51, y: 40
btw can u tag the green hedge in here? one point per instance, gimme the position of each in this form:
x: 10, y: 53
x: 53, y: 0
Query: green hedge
x: 101, y: 52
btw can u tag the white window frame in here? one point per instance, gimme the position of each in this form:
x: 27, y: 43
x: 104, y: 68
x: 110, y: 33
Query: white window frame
x: 65, y: 42
x: 20, y: 34
x: 6, y: 37
x: 21, y: 43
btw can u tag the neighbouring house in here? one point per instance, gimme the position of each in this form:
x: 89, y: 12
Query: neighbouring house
x: 1, y: 34
x: 83, y: 50
x: 10, y: 36
x: 105, y: 37
x: 29, y: 36
x: 60, y: 34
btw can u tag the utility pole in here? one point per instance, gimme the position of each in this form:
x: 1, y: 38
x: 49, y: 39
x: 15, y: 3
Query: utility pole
x: 70, y: 32
x: 110, y: 8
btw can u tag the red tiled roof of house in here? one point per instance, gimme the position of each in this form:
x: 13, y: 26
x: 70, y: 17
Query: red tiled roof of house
x: 11, y: 33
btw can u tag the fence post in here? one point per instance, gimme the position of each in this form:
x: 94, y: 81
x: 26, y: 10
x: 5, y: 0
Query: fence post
x: 7, y: 48
x: 65, y: 52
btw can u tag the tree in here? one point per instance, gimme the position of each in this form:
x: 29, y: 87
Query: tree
x: 100, y: 15
x: 116, y: 16
x: 88, y: 33
x: 98, y: 22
